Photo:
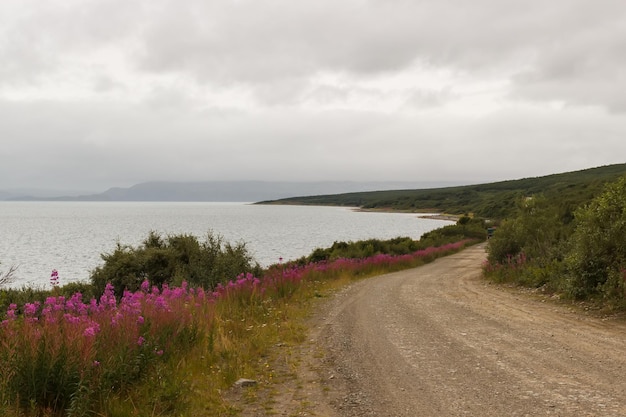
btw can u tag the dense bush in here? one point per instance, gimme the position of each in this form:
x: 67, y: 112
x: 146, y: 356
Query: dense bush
x: 597, y: 260
x: 172, y: 260
x: 581, y: 256
x: 529, y: 248
x: 538, y: 231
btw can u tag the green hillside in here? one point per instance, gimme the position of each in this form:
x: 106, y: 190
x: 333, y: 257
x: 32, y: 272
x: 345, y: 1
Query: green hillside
x: 494, y: 200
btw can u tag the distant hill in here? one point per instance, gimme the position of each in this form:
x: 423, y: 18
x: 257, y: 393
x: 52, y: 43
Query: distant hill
x: 19, y: 193
x: 493, y: 200
x: 232, y: 191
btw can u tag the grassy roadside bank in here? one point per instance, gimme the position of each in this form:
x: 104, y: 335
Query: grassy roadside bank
x: 170, y: 351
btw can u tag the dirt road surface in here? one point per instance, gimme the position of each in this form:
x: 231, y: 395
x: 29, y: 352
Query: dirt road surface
x: 440, y: 341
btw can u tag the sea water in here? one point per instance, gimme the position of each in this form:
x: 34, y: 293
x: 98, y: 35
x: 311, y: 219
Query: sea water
x: 38, y: 237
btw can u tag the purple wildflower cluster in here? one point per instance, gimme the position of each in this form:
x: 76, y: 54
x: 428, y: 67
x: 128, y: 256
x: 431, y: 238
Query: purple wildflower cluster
x: 290, y: 274
x: 148, y: 323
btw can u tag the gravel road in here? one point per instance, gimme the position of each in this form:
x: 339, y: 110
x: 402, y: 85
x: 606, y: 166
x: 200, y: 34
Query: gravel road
x: 439, y: 341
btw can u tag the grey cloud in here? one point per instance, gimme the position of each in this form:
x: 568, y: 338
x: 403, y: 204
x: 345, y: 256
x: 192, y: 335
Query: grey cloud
x: 562, y: 50
x: 267, y: 42
x: 583, y: 62
x: 104, y: 84
x: 23, y: 57
x: 425, y: 99
x: 160, y: 116
x: 260, y: 41
x: 327, y: 94
x: 78, y: 145
x: 288, y: 91
x: 47, y: 37
x: 252, y: 41
x: 579, y: 72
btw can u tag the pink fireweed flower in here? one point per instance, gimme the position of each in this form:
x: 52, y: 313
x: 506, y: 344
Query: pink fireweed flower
x: 76, y: 301
x: 59, y: 304
x: 140, y: 320
x: 115, y: 318
x: 200, y: 293
x: 131, y: 302
x: 91, y: 331
x: 161, y: 303
x: 93, y: 306
x: 159, y: 352
x: 30, y: 309
x: 107, y: 300
x: 70, y: 318
x: 54, y: 278
x: 46, y: 311
x: 141, y: 341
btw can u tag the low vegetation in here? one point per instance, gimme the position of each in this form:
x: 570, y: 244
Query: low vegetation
x: 464, y: 229
x: 161, y: 349
x: 494, y: 201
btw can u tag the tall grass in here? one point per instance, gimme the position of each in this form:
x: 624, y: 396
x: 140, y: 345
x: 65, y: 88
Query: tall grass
x: 67, y: 356
x: 161, y: 351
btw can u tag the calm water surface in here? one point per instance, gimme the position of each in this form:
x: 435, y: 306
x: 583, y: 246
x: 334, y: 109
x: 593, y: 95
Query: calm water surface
x: 70, y: 236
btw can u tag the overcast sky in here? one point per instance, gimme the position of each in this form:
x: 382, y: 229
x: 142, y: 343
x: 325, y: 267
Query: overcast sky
x: 103, y: 93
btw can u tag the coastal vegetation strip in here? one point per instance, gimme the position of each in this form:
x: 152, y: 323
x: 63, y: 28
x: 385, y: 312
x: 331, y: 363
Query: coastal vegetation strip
x: 496, y: 200
x: 173, y: 350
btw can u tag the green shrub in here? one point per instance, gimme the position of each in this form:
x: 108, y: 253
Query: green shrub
x: 172, y: 260
x: 597, y: 259
x: 538, y: 230
x: 581, y: 255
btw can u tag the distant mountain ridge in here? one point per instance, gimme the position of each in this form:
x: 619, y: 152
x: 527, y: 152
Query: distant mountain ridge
x: 229, y: 191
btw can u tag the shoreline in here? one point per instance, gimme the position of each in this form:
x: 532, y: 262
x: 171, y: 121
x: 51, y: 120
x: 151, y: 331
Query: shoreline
x: 421, y: 214
x: 448, y: 217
